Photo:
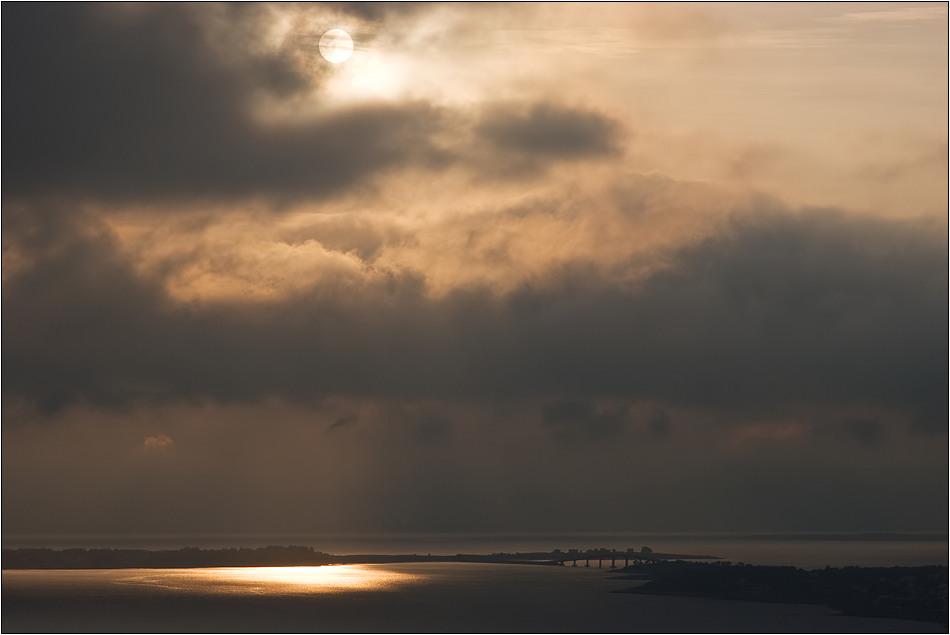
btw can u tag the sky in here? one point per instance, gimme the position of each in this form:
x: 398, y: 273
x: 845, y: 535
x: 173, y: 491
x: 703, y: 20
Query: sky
x: 509, y: 267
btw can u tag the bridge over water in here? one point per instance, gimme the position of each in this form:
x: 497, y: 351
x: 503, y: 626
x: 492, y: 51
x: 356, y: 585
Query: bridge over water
x: 630, y: 556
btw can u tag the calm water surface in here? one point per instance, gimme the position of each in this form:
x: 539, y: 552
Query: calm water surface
x: 430, y: 597
x: 414, y: 597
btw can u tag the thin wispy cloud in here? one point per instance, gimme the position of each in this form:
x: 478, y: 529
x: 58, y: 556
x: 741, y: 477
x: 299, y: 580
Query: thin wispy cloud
x: 903, y: 14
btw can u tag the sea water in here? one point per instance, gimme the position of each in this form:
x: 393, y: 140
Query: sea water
x: 412, y: 597
x: 433, y: 597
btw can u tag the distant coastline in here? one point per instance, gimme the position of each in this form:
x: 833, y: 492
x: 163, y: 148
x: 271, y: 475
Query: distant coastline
x: 284, y: 556
x: 850, y: 537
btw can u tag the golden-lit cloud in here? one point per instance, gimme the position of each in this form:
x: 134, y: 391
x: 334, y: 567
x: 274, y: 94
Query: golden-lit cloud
x: 157, y: 443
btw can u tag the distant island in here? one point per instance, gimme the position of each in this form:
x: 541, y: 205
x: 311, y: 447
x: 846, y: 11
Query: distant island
x: 914, y: 593
x: 286, y: 556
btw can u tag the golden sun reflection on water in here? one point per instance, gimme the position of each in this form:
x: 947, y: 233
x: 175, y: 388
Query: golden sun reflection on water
x: 278, y: 580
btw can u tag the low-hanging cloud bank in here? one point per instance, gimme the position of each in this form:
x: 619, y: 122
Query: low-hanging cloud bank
x: 777, y: 309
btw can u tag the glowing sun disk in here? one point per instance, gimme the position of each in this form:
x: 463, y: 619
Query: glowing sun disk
x: 336, y: 46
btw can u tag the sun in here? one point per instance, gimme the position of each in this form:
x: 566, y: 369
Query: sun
x: 336, y: 46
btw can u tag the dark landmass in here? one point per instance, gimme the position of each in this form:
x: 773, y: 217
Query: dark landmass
x: 188, y: 557
x: 915, y: 593
x: 283, y: 556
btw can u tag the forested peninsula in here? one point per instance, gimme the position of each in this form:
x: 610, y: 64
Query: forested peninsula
x: 915, y: 593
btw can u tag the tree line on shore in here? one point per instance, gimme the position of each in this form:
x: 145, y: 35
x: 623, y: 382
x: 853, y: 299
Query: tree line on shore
x: 271, y: 556
x: 188, y: 557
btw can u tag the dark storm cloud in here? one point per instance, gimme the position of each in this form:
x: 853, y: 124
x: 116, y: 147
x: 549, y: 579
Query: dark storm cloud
x: 868, y: 431
x: 89, y: 318
x: 434, y: 430
x: 157, y: 103
x: 343, y: 422
x: 379, y: 11
x: 142, y: 103
x: 660, y: 424
x: 523, y: 135
x: 819, y: 306
x: 573, y: 421
x: 777, y: 311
